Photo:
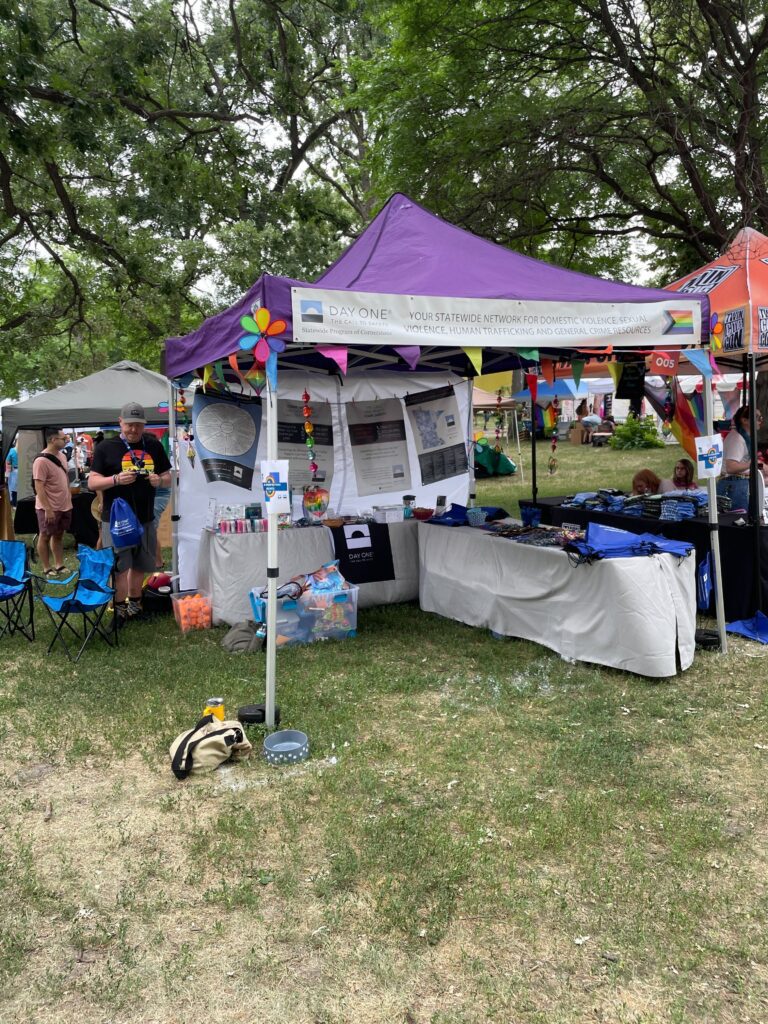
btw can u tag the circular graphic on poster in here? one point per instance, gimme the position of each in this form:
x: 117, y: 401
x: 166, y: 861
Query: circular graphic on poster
x: 225, y: 430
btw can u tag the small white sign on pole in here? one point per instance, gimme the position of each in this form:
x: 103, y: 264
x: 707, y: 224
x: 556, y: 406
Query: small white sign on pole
x: 274, y: 481
x: 709, y: 455
x: 209, y: 523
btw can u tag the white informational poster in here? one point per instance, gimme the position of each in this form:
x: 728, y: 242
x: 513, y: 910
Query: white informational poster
x: 326, y: 316
x: 292, y: 442
x: 274, y: 481
x: 709, y: 455
x: 378, y: 446
x: 226, y: 432
x: 439, y: 434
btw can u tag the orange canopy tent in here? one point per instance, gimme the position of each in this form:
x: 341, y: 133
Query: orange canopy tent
x: 737, y: 285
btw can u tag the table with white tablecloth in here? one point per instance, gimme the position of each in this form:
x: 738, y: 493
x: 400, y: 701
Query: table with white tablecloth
x: 231, y: 564
x: 636, y: 614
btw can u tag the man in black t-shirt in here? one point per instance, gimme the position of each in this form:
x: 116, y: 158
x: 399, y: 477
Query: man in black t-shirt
x: 131, y: 466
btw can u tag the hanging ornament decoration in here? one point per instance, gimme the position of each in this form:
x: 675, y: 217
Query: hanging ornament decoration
x: 315, y: 502
x: 185, y: 426
x: 499, y: 421
x: 178, y: 405
x: 181, y: 409
x: 716, y: 332
x: 309, y: 433
x: 552, y: 464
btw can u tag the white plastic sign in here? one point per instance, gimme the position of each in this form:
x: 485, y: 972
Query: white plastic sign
x: 274, y: 481
x: 709, y: 455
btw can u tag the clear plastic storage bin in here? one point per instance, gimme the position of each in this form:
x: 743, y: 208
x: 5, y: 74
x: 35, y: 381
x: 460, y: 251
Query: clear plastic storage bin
x: 192, y: 609
x: 328, y: 615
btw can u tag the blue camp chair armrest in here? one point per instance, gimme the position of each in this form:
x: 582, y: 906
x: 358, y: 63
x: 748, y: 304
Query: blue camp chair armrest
x: 41, y: 582
x: 93, y: 585
x: 59, y: 583
x: 11, y: 581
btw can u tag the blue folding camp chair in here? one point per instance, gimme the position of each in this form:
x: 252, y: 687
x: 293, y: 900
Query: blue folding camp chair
x: 16, y: 590
x: 89, y: 594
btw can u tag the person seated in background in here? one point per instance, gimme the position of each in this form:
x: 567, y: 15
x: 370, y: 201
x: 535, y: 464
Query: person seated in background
x: 645, y: 481
x: 608, y: 425
x: 683, y: 478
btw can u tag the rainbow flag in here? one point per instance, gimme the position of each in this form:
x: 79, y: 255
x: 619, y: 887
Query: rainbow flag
x: 683, y: 421
x: 679, y: 321
x: 545, y: 418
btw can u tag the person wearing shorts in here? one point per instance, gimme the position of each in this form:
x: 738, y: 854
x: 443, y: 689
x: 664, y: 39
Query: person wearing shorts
x: 53, y: 501
x: 131, y: 466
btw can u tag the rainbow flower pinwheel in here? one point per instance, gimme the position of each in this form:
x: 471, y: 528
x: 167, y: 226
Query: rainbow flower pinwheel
x: 261, y: 334
x: 716, y: 332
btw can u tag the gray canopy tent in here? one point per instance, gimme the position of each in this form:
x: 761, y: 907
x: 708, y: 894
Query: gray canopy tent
x: 93, y: 401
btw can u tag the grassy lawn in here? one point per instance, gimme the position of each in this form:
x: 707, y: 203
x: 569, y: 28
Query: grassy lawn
x: 482, y: 833
x: 580, y: 468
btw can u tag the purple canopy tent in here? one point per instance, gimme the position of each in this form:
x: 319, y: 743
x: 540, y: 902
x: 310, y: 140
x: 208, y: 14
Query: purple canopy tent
x: 407, y: 253
x: 406, y: 250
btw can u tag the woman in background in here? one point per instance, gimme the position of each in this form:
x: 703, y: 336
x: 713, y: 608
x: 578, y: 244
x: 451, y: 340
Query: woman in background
x: 737, y: 453
x: 682, y: 478
x: 645, y: 481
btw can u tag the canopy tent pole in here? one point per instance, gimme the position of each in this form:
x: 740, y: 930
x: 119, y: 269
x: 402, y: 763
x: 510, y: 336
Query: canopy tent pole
x: 471, y: 434
x: 755, y: 513
x: 173, y: 450
x: 272, y: 569
x: 519, y: 450
x: 714, y: 526
x: 534, y: 488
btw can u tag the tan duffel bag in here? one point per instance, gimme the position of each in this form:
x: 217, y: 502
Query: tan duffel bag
x: 209, y: 744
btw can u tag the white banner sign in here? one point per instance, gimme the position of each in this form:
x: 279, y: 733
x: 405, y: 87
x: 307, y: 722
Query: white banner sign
x: 367, y: 318
x: 709, y: 455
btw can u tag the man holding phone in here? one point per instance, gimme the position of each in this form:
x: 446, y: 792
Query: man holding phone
x: 131, y: 466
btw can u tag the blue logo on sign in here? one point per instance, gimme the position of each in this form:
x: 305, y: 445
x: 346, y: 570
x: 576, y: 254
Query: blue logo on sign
x: 709, y: 458
x: 311, y: 311
x: 273, y: 485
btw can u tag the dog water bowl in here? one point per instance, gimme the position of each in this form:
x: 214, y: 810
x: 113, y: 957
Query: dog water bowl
x: 288, y: 746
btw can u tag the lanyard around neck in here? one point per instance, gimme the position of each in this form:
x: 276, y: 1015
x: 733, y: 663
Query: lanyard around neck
x: 137, y: 460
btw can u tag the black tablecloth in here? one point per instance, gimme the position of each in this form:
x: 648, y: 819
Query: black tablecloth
x: 84, y: 527
x: 736, y: 547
